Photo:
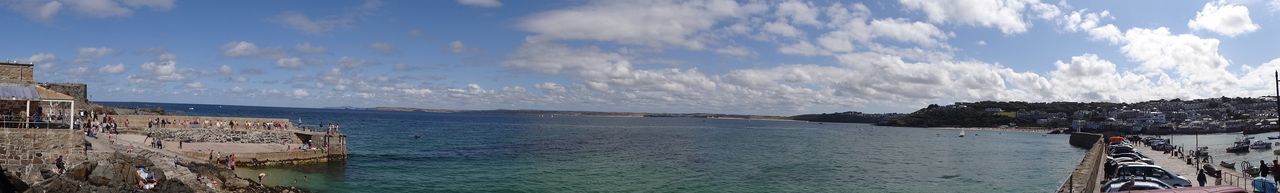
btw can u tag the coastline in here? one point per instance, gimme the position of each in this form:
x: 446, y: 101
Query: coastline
x: 1041, y: 130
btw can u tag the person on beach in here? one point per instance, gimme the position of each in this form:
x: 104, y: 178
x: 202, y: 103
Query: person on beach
x: 61, y: 164
x: 1262, y: 168
x: 1200, y: 177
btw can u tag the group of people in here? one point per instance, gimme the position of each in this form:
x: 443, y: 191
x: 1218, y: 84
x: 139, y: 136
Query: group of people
x: 214, y: 123
x: 229, y: 161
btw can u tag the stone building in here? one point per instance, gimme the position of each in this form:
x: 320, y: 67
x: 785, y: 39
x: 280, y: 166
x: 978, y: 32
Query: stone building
x: 25, y: 104
x: 12, y: 72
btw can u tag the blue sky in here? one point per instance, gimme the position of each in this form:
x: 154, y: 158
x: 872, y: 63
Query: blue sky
x: 757, y: 57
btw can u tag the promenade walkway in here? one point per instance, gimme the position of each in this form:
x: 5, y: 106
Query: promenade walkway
x: 1180, y: 167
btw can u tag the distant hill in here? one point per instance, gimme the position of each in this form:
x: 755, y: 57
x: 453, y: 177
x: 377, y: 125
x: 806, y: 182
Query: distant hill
x: 847, y: 117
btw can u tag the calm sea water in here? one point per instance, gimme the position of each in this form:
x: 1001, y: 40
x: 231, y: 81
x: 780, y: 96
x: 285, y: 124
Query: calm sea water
x: 479, y: 152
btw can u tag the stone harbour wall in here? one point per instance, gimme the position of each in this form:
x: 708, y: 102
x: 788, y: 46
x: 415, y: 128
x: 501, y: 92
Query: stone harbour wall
x: 224, y: 135
x: 30, y: 153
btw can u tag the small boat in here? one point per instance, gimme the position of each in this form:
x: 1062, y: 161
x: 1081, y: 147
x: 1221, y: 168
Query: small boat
x: 1224, y: 164
x: 1200, y: 152
x: 1260, y: 145
x: 1276, y: 137
x: 1241, y: 146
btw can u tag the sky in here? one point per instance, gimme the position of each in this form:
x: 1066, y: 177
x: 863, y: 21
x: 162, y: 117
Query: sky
x: 780, y: 57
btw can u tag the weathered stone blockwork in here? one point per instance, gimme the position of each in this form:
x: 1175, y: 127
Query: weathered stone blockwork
x: 77, y: 90
x: 27, y: 152
x: 16, y: 73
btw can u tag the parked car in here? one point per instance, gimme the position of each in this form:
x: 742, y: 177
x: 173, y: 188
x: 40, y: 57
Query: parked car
x: 1155, y: 172
x: 1134, y: 183
x: 1133, y: 159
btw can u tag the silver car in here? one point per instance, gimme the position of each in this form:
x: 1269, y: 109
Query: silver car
x: 1134, y: 183
x: 1155, y: 172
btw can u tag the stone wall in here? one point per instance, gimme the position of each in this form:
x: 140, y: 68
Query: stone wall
x: 77, y: 90
x: 16, y: 73
x: 28, y: 152
x: 223, y: 135
x: 140, y: 121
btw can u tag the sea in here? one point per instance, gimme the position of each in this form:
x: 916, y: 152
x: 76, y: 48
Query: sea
x: 504, y: 152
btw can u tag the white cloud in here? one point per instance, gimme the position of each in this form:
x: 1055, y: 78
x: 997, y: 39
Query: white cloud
x: 163, y: 68
x: 195, y: 85
x: 87, y: 55
x: 404, y: 67
x: 550, y: 87
x: 290, y: 62
x: 384, y: 48
x: 735, y: 51
x: 78, y: 71
x: 782, y: 28
x: 350, y: 63
x: 239, y: 49
x: 647, y: 22
x: 111, y: 69
x: 481, y: 3
x: 225, y: 70
x: 457, y: 47
x: 1006, y: 15
x: 799, y: 12
x: 981, y: 43
x: 1195, y: 60
x: 306, y: 47
x: 306, y: 24
x: 1223, y: 18
x: 299, y: 93
x: 43, y: 61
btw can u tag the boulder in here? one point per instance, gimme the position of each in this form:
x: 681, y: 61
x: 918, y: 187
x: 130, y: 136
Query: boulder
x: 104, y: 174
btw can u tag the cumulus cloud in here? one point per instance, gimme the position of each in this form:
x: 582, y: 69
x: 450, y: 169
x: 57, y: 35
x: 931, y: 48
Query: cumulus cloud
x: 647, y: 22
x: 42, y: 11
x: 1006, y: 15
x: 239, y: 49
x: 111, y: 69
x: 115, y: 8
x: 163, y: 68
x: 481, y: 3
x: 306, y: 47
x: 299, y: 93
x: 43, y: 61
x: 457, y: 47
x: 87, y: 55
x: 316, y: 26
x: 290, y: 62
x: 351, y: 63
x: 1223, y: 18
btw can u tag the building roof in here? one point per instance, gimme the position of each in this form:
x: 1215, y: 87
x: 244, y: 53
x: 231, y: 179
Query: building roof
x: 48, y: 94
x: 14, y: 63
x: 12, y: 91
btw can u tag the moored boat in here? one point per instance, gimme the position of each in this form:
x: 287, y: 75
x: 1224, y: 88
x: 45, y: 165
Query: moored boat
x: 1260, y: 145
x: 1224, y: 164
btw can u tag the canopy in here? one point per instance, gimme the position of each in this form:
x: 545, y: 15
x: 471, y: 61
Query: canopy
x: 10, y: 91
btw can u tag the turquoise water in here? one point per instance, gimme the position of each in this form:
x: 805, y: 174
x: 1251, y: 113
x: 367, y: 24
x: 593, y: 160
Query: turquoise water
x: 469, y: 152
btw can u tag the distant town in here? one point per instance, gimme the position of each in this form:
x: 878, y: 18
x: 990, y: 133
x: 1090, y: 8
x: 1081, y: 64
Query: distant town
x: 1211, y: 115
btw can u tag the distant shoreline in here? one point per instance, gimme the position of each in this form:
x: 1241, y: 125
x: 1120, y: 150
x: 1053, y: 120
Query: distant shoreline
x: 1010, y: 129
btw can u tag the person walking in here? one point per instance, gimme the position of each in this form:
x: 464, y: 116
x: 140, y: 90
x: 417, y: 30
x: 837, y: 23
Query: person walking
x: 1200, y: 177
x: 1263, y: 169
x: 1275, y: 171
